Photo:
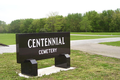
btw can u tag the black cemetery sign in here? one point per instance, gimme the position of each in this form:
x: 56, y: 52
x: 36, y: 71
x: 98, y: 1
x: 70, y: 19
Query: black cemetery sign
x: 38, y: 46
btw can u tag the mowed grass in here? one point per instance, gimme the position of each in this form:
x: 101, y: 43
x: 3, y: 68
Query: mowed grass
x: 10, y: 38
x: 88, y: 67
x: 97, y: 33
x: 7, y: 38
x: 117, y: 43
x: 72, y: 37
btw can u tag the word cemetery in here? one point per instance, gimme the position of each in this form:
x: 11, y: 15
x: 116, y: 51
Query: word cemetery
x: 46, y: 51
x: 38, y: 46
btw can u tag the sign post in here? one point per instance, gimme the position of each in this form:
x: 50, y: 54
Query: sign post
x: 38, y: 46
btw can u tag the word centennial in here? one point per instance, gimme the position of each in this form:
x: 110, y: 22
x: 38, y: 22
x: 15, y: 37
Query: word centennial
x: 42, y: 42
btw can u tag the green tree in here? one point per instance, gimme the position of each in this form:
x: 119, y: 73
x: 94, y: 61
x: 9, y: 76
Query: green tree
x: 41, y: 25
x: 15, y: 26
x: 93, y: 17
x: 53, y: 23
x: 25, y: 26
x: 106, y: 18
x: 115, y: 21
x: 85, y: 24
x: 72, y: 22
x: 2, y: 26
x: 36, y: 25
x: 1, y: 29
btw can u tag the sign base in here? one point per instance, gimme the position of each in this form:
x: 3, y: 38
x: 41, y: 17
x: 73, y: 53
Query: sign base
x: 62, y: 61
x: 29, y: 66
x: 47, y: 71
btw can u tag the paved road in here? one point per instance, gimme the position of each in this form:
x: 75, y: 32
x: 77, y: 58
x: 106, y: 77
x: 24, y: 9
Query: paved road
x: 90, y: 46
x: 10, y: 49
x: 77, y: 42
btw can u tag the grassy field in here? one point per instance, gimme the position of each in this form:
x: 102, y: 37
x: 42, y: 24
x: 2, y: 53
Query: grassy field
x: 117, y: 43
x: 97, y: 33
x: 7, y: 38
x: 88, y: 67
x: 89, y: 37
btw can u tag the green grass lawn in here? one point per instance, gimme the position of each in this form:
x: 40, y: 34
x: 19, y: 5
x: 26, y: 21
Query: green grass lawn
x: 96, y: 33
x: 72, y: 37
x: 117, y: 43
x: 88, y: 67
x: 7, y: 38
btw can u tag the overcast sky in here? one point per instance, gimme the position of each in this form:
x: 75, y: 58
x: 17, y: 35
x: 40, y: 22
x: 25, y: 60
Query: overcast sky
x: 21, y: 9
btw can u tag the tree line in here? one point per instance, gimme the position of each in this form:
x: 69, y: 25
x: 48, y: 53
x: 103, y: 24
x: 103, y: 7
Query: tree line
x: 107, y: 21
